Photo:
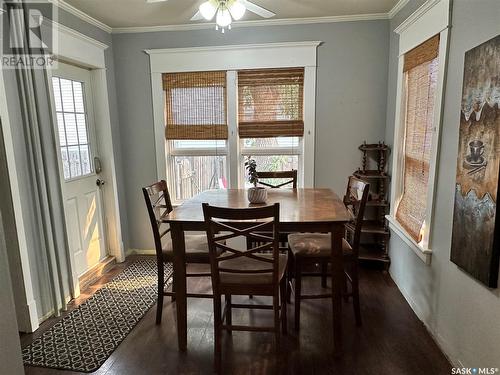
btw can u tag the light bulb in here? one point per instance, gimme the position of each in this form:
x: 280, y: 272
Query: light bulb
x: 237, y: 10
x: 223, y: 17
x: 207, y: 10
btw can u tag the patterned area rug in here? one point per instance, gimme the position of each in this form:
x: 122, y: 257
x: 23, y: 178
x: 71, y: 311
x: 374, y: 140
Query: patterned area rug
x: 86, y: 337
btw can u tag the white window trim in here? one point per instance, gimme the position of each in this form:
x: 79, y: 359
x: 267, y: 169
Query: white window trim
x: 232, y: 58
x: 431, y: 18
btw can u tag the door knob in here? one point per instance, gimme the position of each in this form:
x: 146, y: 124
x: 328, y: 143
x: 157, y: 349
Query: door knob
x: 99, y: 182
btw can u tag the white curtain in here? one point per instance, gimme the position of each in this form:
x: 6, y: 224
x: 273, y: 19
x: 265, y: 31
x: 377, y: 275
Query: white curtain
x: 46, y: 198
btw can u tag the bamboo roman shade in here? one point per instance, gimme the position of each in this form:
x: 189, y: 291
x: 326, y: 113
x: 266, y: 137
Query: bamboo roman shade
x: 195, y: 105
x: 427, y: 51
x: 420, y: 79
x: 270, y: 103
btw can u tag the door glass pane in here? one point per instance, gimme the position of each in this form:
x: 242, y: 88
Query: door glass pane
x: 60, y: 127
x: 78, y: 93
x: 82, y: 128
x: 71, y: 133
x: 74, y: 161
x: 85, y: 159
x: 72, y: 127
x: 65, y: 162
x: 67, y: 95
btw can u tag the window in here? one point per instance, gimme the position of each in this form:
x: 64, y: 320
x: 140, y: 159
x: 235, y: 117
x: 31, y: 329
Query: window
x: 270, y: 118
x: 423, y: 39
x: 270, y: 103
x: 72, y: 127
x: 420, y: 81
x: 270, y: 126
x: 196, y: 132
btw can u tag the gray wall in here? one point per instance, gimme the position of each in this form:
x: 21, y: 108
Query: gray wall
x: 460, y: 312
x: 37, y: 260
x: 351, y: 99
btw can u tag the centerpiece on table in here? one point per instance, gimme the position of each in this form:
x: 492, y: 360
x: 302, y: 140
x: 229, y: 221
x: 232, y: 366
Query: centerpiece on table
x: 256, y: 194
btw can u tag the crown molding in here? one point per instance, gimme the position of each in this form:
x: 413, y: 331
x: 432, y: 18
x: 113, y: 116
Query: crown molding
x: 61, y: 4
x: 75, y: 34
x: 267, y: 22
x: 204, y: 26
x: 396, y: 8
x: 415, y: 16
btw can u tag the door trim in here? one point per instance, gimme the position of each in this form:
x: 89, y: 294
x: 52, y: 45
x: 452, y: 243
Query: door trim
x: 86, y: 52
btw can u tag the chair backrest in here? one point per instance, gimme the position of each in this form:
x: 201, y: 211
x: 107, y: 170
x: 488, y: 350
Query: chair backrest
x: 355, y: 202
x: 291, y: 177
x: 225, y: 223
x: 159, y: 205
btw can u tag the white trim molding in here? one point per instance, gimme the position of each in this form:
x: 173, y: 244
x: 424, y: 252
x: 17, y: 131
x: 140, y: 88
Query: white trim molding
x: 61, y: 4
x: 234, y: 58
x: 432, y: 18
x: 424, y: 254
x: 76, y: 47
x: 396, y: 8
x: 254, y: 23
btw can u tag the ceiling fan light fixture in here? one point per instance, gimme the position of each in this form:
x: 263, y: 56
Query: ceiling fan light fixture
x: 237, y: 10
x: 208, y: 10
x: 223, y: 17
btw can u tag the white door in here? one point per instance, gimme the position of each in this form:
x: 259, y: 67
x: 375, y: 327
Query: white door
x: 77, y: 140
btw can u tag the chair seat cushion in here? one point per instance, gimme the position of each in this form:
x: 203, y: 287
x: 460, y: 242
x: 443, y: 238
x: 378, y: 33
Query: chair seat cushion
x: 315, y: 245
x: 196, y: 245
x: 245, y: 263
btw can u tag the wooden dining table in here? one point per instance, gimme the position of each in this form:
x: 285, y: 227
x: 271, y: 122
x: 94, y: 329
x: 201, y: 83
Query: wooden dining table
x: 301, y: 210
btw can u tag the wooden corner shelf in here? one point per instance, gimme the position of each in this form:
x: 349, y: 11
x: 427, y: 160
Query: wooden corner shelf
x: 374, y: 147
x: 371, y: 226
x: 373, y: 252
x: 373, y: 173
x: 377, y: 203
x: 375, y: 233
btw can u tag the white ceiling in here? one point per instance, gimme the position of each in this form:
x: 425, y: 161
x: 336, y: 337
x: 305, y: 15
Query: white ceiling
x: 138, y: 13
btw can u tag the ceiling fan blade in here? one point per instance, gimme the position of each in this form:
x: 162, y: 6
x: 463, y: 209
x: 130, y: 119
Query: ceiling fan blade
x: 197, y: 16
x: 257, y: 9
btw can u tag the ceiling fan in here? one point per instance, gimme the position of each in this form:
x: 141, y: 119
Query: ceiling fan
x: 227, y: 11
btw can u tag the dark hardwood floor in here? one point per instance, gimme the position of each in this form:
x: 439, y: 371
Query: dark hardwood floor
x: 391, y: 341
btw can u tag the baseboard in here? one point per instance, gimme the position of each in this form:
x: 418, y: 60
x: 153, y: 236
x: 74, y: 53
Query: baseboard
x: 29, y: 322
x: 141, y: 252
x: 92, y: 275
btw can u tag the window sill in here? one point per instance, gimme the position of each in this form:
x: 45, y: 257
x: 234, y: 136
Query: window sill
x: 424, y: 254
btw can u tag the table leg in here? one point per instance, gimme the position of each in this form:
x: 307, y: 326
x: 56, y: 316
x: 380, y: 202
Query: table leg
x: 337, y: 281
x: 179, y: 250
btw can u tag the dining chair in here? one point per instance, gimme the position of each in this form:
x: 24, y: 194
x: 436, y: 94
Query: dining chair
x: 289, y: 176
x: 159, y: 205
x: 312, y: 248
x: 243, y: 272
